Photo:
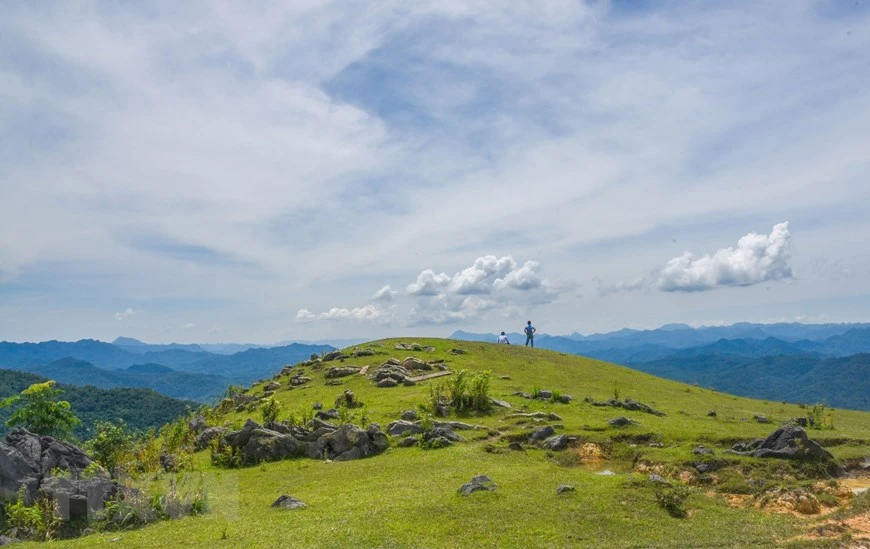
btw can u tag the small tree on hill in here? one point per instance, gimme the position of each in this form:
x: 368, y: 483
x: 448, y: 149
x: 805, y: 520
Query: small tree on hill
x: 38, y: 410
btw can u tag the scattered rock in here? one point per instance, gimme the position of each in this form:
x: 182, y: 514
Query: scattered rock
x: 387, y: 382
x: 564, y: 488
x: 506, y: 377
x: 203, y: 439
x: 363, y: 352
x: 334, y: 355
x: 317, y: 406
x: 197, y: 424
x: 621, y: 422
x: 658, y: 478
x: 413, y: 363
x: 761, y: 419
x: 516, y: 446
x: 557, y: 442
x: 566, y: 399
x: 538, y: 415
x: 544, y: 395
x: 288, y: 502
x: 500, y: 403
x: 478, y: 483
x: 407, y: 442
x: 442, y: 432
x: 299, y: 379
x: 606, y: 473
x: 628, y: 404
x: 390, y: 370
x: 701, y: 450
x: 802, y: 421
x: 273, y: 386
x: 347, y: 399
x: 541, y: 434
x: 409, y: 415
x: 701, y: 467
x: 332, y: 413
x: 523, y: 394
x: 457, y: 352
x: 402, y: 427
x: 790, y: 442
x: 711, y: 413
x: 340, y: 371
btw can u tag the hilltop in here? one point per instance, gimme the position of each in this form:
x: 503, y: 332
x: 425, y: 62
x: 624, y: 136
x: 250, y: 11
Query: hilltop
x: 407, y: 496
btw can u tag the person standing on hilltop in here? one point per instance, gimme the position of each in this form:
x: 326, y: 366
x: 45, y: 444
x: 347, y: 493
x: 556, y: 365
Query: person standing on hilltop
x: 530, y: 334
x: 503, y: 339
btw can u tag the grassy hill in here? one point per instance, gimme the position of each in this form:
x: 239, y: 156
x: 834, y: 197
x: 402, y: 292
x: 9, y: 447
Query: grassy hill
x: 407, y: 497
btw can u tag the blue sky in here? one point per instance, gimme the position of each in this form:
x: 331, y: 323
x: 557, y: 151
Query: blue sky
x: 276, y: 171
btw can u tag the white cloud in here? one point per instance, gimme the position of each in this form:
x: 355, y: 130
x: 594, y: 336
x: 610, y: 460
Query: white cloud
x: 757, y: 258
x: 524, y: 278
x: 480, y: 276
x: 428, y: 283
x: 444, y: 309
x: 385, y: 294
x: 369, y: 312
x: 304, y: 316
x: 125, y: 314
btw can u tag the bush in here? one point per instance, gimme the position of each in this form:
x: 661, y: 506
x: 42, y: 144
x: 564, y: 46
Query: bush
x: 39, y: 521
x: 111, y: 445
x: 672, y: 498
x: 270, y: 409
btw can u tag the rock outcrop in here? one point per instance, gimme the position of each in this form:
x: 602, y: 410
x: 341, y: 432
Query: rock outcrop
x: 255, y: 443
x: 789, y: 442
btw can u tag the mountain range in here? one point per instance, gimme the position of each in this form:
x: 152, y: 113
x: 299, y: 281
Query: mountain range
x: 792, y: 362
x: 179, y: 371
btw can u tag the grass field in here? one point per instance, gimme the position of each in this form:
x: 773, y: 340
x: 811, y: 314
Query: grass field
x: 407, y: 497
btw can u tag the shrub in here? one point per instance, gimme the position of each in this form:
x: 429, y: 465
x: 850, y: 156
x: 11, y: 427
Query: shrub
x: 672, y: 498
x: 39, y: 521
x: 270, y: 409
x: 111, y: 444
x: 226, y: 457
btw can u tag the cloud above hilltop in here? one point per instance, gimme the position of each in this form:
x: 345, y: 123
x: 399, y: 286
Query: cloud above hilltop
x: 271, y: 170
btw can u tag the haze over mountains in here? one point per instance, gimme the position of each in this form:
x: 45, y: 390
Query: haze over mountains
x: 794, y: 362
x: 179, y: 371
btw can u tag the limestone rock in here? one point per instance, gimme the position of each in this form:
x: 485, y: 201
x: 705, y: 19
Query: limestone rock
x: 341, y: 371
x: 476, y: 484
x: 542, y: 434
x: 564, y: 489
x: 288, y: 502
x: 789, y: 442
x: 409, y: 415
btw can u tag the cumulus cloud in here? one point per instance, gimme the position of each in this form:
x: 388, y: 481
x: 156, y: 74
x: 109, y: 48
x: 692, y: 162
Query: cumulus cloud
x: 480, y: 276
x: 757, y: 258
x: 385, y: 294
x: 444, y: 309
x: 428, y: 283
x: 365, y: 313
x: 524, y: 278
x: 304, y: 316
x: 125, y: 314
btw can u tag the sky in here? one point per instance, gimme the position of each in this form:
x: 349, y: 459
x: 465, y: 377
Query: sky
x: 276, y: 171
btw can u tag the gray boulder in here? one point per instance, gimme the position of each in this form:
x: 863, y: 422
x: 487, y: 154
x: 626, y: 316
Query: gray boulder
x: 79, y: 498
x: 287, y: 502
x: 407, y: 442
x: 621, y: 422
x: 409, y: 415
x: 268, y: 445
x: 402, y: 427
x: 542, y: 434
x: 341, y: 371
x: 197, y: 424
x: 442, y: 432
x: 413, y: 363
x: 789, y: 442
x: 564, y: 489
x: 203, y: 439
x: 477, y: 484
x: 349, y: 442
x: 272, y: 386
x: 557, y: 442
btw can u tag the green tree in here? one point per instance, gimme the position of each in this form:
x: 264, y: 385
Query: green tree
x: 111, y: 444
x: 38, y: 410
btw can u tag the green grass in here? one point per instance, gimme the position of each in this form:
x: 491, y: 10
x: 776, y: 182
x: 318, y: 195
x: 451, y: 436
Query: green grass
x: 408, y: 497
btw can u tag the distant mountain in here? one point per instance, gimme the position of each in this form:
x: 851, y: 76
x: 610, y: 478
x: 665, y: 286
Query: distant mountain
x: 141, y: 409
x: 239, y: 368
x: 164, y: 380
x: 842, y: 382
x: 136, y: 346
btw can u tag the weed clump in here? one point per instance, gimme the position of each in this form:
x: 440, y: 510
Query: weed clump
x: 672, y: 498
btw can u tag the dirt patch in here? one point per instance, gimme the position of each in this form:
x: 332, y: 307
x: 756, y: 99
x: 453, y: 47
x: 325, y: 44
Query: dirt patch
x: 590, y: 452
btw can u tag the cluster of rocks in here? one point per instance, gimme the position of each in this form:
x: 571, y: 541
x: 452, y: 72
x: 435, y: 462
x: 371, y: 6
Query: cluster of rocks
x: 341, y: 371
x: 363, y: 352
x: 789, y: 442
x: 275, y: 441
x: 621, y: 421
x: 334, y: 355
x: 477, y: 484
x: 546, y: 438
x: 28, y: 462
x: 627, y: 404
x: 440, y: 434
x: 546, y: 395
x: 413, y: 347
x: 394, y: 372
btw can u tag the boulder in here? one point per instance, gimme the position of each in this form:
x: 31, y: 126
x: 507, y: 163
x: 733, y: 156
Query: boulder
x: 711, y: 413
x: 442, y: 432
x: 273, y: 386
x: 287, y: 502
x: 702, y: 450
x: 334, y: 355
x: 544, y: 395
x: 347, y: 399
x: 332, y: 413
x: 790, y: 442
x: 476, y: 484
x: 557, y: 442
x: 621, y: 422
x: 349, y: 442
x: 542, y: 434
x: 409, y: 415
x: 413, y: 363
x: 500, y: 403
x: 388, y: 370
x: 403, y: 427
x: 407, y: 442
x: 387, y: 383
x: 167, y: 462
x: 268, y: 445
x: 197, y: 424
x: 363, y: 352
x: 341, y: 371
x: 77, y: 498
x: 203, y: 439
x: 761, y: 419
x: 564, y: 489
x: 516, y: 446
